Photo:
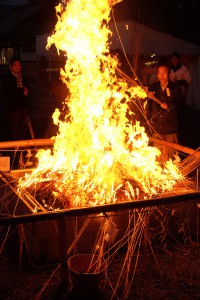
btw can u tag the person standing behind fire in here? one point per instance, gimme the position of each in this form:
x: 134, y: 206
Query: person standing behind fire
x: 163, y: 118
x: 181, y: 75
x: 16, y: 90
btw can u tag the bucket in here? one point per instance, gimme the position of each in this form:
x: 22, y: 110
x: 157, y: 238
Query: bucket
x: 86, y: 271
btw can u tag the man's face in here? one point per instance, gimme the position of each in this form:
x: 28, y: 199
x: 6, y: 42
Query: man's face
x: 174, y: 61
x: 163, y: 74
x: 16, y: 67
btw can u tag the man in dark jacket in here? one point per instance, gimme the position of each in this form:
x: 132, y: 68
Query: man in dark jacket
x: 16, y: 92
x: 163, y: 117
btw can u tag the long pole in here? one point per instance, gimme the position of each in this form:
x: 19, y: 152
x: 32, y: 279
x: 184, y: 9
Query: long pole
x: 49, y: 142
x: 26, y: 143
x: 177, y: 147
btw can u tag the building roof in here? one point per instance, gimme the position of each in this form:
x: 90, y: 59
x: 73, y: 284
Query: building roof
x: 13, y: 2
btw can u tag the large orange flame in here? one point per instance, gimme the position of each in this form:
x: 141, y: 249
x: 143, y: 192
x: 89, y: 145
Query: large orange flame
x: 97, y: 152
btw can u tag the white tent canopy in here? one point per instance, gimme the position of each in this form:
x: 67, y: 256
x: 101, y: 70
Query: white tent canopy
x: 138, y: 38
x: 135, y: 38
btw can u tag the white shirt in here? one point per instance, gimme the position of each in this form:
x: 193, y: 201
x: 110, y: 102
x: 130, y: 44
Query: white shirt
x: 181, y: 74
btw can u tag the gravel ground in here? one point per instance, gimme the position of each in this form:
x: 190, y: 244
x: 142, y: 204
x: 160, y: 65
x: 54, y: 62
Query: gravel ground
x: 168, y: 274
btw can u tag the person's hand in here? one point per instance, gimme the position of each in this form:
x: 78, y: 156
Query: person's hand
x: 25, y: 91
x: 174, y: 79
x: 164, y: 105
x: 151, y: 94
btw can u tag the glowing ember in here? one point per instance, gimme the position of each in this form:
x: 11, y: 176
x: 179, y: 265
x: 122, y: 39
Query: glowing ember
x: 97, y: 153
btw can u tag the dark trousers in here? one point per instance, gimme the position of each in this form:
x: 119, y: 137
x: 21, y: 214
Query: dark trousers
x: 18, y: 126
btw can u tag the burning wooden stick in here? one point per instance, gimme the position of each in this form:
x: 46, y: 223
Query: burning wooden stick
x: 134, y: 83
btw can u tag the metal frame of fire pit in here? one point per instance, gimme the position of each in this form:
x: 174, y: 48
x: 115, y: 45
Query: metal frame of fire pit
x: 93, y: 210
x: 61, y: 216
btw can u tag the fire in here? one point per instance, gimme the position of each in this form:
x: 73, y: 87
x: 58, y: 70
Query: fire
x: 97, y: 153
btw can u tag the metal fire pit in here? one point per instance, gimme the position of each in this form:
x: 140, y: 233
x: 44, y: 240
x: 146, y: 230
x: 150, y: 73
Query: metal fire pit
x: 22, y: 210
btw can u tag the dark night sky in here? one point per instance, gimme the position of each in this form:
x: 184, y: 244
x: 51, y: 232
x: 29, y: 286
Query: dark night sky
x: 179, y: 18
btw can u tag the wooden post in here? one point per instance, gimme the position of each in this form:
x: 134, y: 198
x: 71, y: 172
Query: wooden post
x: 62, y: 240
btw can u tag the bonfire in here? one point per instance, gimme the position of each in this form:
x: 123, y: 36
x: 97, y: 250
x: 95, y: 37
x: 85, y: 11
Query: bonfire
x: 99, y: 156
